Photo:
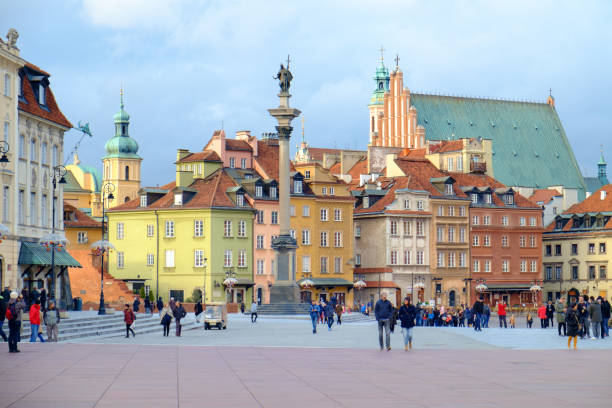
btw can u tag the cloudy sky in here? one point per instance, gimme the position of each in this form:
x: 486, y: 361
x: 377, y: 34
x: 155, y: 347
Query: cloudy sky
x: 189, y: 66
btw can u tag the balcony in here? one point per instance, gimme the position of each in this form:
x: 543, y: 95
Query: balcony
x: 478, y: 167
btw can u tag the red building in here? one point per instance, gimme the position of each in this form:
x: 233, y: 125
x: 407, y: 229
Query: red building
x: 505, y: 240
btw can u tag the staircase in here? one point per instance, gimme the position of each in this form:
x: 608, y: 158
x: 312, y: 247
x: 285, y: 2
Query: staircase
x: 284, y: 309
x: 94, y: 326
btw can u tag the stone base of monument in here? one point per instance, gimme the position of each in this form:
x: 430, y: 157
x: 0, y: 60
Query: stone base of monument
x: 284, y: 293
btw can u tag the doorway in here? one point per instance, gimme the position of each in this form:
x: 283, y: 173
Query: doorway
x: 323, y: 297
x: 305, y: 296
x: 451, y: 298
x: 259, y: 295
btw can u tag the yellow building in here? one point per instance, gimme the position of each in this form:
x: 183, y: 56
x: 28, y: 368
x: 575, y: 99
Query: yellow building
x: 322, y: 224
x: 82, y: 188
x: 185, y: 236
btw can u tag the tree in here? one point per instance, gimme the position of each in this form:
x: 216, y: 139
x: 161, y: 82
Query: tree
x: 196, y: 295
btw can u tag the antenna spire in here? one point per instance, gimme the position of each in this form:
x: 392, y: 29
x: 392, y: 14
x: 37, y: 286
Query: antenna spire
x: 382, y: 54
x: 303, y: 120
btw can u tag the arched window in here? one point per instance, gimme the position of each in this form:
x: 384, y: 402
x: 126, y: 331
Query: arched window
x: 7, y: 85
x: 127, y: 172
x: 451, y: 298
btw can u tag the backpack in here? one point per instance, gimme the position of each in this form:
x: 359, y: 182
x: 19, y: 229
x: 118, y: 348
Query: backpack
x: 11, y: 312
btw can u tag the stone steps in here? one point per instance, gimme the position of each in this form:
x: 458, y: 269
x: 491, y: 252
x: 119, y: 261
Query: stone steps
x: 283, y: 309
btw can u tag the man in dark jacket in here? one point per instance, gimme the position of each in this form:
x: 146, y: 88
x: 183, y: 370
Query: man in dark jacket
x: 17, y: 306
x: 178, y: 312
x: 407, y: 314
x: 383, y: 312
x: 477, y: 310
x: 595, y: 316
x: 160, y: 305
x: 583, y: 316
x: 550, y: 314
x: 605, y: 314
x: 43, y: 299
x: 2, y: 317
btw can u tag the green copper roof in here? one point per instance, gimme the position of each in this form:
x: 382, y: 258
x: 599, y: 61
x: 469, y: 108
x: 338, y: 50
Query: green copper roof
x: 33, y: 253
x: 602, y: 161
x: 72, y: 185
x: 381, y: 81
x: 530, y: 147
x: 121, y: 145
x: 593, y: 184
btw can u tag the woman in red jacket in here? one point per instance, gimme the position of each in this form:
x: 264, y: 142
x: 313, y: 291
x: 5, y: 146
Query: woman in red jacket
x: 128, y: 318
x: 35, y: 322
x: 542, y: 316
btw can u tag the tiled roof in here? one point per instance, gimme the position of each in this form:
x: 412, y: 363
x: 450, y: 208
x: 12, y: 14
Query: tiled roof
x: 30, y: 105
x: 267, y: 159
x: 233, y: 144
x: 201, y: 156
x: 392, y: 184
x: 419, y: 153
x: 361, y: 167
x: 482, y: 180
x: 335, y: 169
x: 529, y: 144
x: 593, y: 203
x: 316, y: 153
x: 447, y: 146
x: 78, y: 219
x: 210, y: 192
x: 544, y: 195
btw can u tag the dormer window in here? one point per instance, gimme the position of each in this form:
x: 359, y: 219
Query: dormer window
x: 258, y: 191
x: 487, y: 198
x: 448, y: 189
x: 366, y: 202
x: 509, y: 198
x: 178, y: 199
x: 559, y: 224
x: 143, y: 200
x: 587, y: 222
x: 41, y: 94
x: 248, y: 176
x: 239, y: 200
x: 474, y: 198
x: 273, y: 192
x: 232, y: 162
x: 297, y: 187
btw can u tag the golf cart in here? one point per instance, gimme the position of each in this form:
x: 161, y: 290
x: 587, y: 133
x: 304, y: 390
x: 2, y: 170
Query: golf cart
x: 215, y: 315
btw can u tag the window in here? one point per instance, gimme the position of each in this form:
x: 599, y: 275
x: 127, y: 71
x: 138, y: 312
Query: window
x: 487, y: 265
x: 357, y: 231
x: 259, y: 242
x: 548, y: 250
x: 449, y: 164
x: 324, y: 239
x: 143, y: 200
x: 242, y: 256
x: 41, y: 94
x: 557, y: 249
x: 591, y: 272
x: 332, y: 191
x: 7, y: 85
x: 574, y: 272
x: 357, y: 259
x: 22, y: 148
x: 227, y: 228
x: 475, y: 240
x: 33, y: 150
x: 324, y: 214
x: 475, y: 220
x: 274, y: 217
x: 419, y: 228
x: 462, y: 235
x: 393, y: 228
x: 338, y: 239
x: 261, y: 266
x: 462, y: 258
x: 407, y: 228
x: 474, y: 198
x: 406, y: 204
x: 169, y: 258
x: 120, y: 230
x: 306, y: 211
x: 198, y: 228
x: 82, y: 237
x: 460, y: 163
x: 548, y: 274
x: 602, y: 272
x: 297, y: 186
x: 239, y: 200
x: 534, y: 266
x: 292, y: 210
x: 532, y: 221
x: 440, y: 259
x: 509, y: 199
x: 198, y: 258
x: 476, y: 267
x: 522, y: 241
x: 487, y: 240
x: 505, y: 221
x: 273, y: 191
x: 440, y: 234
x: 292, y: 233
x: 532, y: 241
x: 451, y: 260
x: 602, y: 247
x: 450, y: 211
x: 440, y: 210
x: 169, y: 229
x: 486, y: 220
x: 337, y: 264
x: 43, y: 209
x: 243, y: 163
x: 504, y: 266
x: 393, y: 257
x: 324, y: 190
x: 227, y: 258
x: 574, y: 249
x: 307, y: 174
x: 407, y: 256
x: 150, y: 230
x: 306, y: 237
x: 33, y: 214
x: 242, y: 229
x: 120, y: 260
x: 522, y: 221
x: 558, y: 271
x: 448, y: 189
x: 258, y: 191
x: 323, y: 264
x: 272, y: 239
x: 420, y: 205
x: 591, y: 248
x: 420, y: 258
x: 150, y: 260
x: 487, y: 198
x: 504, y: 241
x: 259, y: 217
x: 7, y: 126
x: 523, y: 266
x: 54, y: 156
x: 306, y: 264
x: 232, y: 162
x: 337, y: 214
x: 5, y: 205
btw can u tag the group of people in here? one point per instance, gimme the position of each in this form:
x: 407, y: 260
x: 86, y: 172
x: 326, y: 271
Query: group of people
x: 322, y: 312
x: 173, y: 310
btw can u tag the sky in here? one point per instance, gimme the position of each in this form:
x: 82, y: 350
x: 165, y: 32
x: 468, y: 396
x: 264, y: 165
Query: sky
x: 190, y: 67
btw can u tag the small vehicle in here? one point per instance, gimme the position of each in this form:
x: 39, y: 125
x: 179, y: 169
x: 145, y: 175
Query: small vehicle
x: 215, y: 315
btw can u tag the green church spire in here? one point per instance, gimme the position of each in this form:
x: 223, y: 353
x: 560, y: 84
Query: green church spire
x: 121, y: 145
x: 381, y: 79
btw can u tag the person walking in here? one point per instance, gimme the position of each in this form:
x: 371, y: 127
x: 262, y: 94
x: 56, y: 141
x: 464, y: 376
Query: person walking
x: 419, y: 315
x: 486, y: 316
x: 165, y: 319
x: 136, y: 307
x: 501, y: 312
x: 197, y: 310
x: 43, y: 299
x: 253, y: 312
x: 583, y: 316
x: 160, y: 306
x: 605, y: 315
x: 383, y: 311
x: 15, y: 308
x: 407, y: 316
x: 128, y: 317
x: 529, y: 320
x: 51, y: 317
x: 393, y: 320
x: 2, y: 317
x: 147, y: 305
x: 573, y: 323
x: 179, y: 312
x: 477, y: 311
x: 596, y: 318
x: 35, y: 322
x: 339, y: 313
x: 542, y: 316
x: 550, y: 313
x: 314, y: 315
x: 328, y: 308
x: 560, y: 314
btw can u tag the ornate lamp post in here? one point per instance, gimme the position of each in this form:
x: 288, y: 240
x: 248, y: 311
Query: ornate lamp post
x: 229, y: 282
x: 358, y: 286
x: 4, y: 149
x: 54, y: 241
x: 536, y: 290
x: 103, y: 246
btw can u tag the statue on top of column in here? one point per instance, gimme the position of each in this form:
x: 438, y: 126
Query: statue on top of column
x: 284, y: 77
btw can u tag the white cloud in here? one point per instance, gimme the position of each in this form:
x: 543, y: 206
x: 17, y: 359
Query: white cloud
x: 132, y: 14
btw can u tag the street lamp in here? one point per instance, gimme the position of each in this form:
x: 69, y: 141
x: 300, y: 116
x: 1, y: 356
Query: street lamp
x: 4, y: 149
x: 103, y: 246
x: 358, y: 286
x: 536, y: 289
x: 229, y: 282
x: 53, y: 240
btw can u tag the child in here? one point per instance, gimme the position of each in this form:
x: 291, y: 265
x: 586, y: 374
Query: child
x: 529, y: 320
x: 512, y: 321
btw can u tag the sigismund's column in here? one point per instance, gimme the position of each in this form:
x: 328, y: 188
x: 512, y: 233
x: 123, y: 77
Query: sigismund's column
x: 284, y: 289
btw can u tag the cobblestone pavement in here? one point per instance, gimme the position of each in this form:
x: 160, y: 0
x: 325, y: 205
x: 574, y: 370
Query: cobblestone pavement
x: 280, y: 363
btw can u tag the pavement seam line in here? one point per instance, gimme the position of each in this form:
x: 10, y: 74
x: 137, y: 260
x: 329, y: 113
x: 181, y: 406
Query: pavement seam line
x: 238, y: 377
x: 117, y: 376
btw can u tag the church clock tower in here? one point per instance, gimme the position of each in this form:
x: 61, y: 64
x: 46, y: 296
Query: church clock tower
x: 122, y: 164
x: 376, y: 108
